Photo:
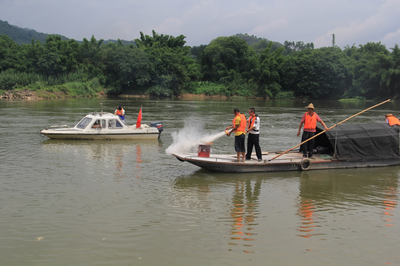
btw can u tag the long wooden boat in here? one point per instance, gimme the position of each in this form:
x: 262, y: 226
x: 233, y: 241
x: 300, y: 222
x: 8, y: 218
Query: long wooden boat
x: 346, y: 146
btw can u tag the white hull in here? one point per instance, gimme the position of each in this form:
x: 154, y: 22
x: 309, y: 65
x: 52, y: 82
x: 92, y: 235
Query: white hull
x: 88, y: 136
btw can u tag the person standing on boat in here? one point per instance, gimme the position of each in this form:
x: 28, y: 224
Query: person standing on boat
x: 253, y: 128
x: 120, y: 112
x: 392, y: 120
x: 239, y: 127
x: 309, y: 119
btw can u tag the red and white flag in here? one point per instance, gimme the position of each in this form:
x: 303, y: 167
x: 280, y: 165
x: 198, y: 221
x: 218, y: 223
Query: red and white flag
x: 139, y: 118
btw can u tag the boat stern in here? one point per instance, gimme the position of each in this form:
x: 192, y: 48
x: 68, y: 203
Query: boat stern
x: 159, y: 126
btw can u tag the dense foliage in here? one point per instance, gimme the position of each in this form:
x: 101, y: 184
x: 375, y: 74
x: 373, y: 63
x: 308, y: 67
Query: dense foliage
x: 163, y: 65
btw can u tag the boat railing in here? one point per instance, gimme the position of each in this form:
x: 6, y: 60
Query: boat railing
x: 59, y: 126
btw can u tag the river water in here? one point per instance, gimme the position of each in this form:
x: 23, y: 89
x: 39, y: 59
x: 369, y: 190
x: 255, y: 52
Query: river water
x: 130, y: 203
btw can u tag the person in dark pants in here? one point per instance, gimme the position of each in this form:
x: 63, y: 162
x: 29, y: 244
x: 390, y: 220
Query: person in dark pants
x: 239, y: 127
x: 253, y: 128
x: 309, y: 119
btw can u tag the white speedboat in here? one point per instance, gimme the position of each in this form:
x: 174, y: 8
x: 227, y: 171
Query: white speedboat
x: 104, y: 126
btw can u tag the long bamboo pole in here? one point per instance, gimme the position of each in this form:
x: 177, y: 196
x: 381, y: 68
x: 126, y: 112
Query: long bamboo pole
x: 328, y: 129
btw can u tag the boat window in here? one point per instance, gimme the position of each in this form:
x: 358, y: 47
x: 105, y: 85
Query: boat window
x: 114, y: 124
x: 103, y: 123
x: 96, y: 124
x: 84, y: 123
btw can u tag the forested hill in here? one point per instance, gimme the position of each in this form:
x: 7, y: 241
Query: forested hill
x: 25, y: 36
x: 258, y: 43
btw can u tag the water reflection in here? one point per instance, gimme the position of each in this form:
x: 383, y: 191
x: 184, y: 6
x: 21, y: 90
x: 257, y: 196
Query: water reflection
x: 242, y: 208
x: 389, y: 203
x: 118, y: 166
x: 306, y: 213
x: 244, y: 212
x: 324, y: 201
x: 98, y: 156
x: 324, y: 196
x: 138, y: 172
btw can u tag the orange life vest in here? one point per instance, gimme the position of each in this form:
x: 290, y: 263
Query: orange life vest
x: 250, y: 122
x: 242, y: 126
x: 119, y: 112
x: 310, y: 122
x: 393, y: 120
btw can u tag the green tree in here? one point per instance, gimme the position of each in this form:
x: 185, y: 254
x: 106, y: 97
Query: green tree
x: 52, y: 61
x: 127, y: 69
x: 374, y: 69
x: 146, y: 41
x: 292, y: 47
x: 267, y: 74
x: 226, y: 58
x: 173, y: 67
x: 30, y: 54
x: 394, y: 84
x: 318, y: 73
x: 9, y: 53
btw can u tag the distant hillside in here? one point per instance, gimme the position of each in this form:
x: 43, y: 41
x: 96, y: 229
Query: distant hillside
x: 123, y: 42
x: 25, y: 36
x: 258, y: 43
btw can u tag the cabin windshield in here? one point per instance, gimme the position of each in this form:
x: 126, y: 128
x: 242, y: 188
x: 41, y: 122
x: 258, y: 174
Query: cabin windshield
x: 84, y: 123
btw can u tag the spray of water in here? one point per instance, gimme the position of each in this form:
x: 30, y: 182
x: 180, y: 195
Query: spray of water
x: 189, y: 138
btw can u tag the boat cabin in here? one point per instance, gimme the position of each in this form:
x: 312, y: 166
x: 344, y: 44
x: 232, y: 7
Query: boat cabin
x: 108, y: 121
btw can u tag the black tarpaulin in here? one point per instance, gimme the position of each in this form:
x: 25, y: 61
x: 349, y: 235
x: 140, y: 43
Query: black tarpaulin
x: 361, y: 141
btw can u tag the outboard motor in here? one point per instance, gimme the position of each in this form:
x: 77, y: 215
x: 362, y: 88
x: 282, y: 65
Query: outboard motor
x: 158, y: 125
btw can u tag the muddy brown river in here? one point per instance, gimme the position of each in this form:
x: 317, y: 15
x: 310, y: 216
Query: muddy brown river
x: 71, y: 202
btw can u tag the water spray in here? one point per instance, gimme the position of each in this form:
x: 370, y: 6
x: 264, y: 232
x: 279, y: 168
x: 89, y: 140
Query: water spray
x: 189, y: 138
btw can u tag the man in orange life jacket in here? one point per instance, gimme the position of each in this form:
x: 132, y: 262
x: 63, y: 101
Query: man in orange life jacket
x: 253, y: 139
x: 239, y: 127
x: 309, y: 120
x: 120, y: 112
x: 392, y: 120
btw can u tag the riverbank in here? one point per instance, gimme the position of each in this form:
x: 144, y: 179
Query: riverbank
x: 191, y: 96
x: 68, y: 92
x: 39, y: 91
x: 30, y: 95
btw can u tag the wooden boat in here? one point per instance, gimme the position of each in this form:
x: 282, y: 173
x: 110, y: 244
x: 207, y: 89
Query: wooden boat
x: 104, y: 126
x: 346, y: 146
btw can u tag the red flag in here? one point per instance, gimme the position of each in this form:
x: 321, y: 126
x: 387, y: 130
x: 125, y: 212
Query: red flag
x: 139, y: 118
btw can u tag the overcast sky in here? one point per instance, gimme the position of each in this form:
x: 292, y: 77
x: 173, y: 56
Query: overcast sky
x: 352, y: 21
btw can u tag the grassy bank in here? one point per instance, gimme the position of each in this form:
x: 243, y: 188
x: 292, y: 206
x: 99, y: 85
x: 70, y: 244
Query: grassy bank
x: 31, y: 87
x: 207, y: 88
x: 39, y: 90
x: 356, y: 99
